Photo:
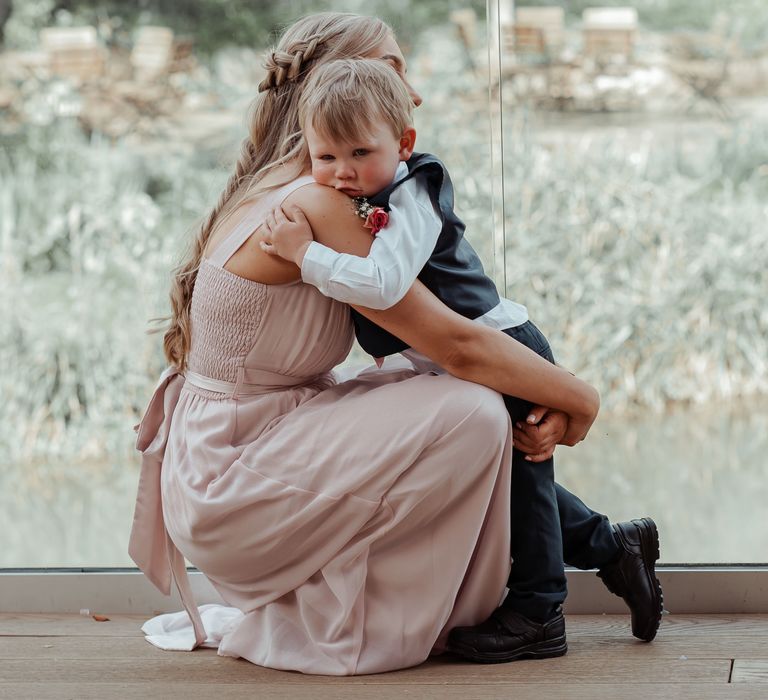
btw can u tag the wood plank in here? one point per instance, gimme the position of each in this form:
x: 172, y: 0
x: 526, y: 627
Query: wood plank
x: 751, y: 671
x: 604, y: 626
x: 710, y: 636
x: 692, y: 646
x: 69, y: 656
x: 343, y: 691
x: 665, y: 647
x: 672, y: 625
x: 207, y: 668
x: 101, y: 648
x: 69, y: 625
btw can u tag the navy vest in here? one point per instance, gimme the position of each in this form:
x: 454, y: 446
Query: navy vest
x: 453, y: 273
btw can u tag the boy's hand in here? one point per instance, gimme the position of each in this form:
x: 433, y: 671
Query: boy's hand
x: 543, y: 429
x: 287, y: 235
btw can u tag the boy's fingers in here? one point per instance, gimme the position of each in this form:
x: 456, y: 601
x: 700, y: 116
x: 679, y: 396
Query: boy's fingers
x: 526, y: 447
x: 290, y: 213
x: 530, y: 431
x: 541, y: 457
x: 539, y: 434
x: 522, y: 442
x: 533, y: 444
x: 536, y: 414
x: 546, y: 430
x: 279, y: 215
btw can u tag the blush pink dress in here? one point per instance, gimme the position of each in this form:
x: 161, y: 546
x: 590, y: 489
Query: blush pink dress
x: 353, y: 524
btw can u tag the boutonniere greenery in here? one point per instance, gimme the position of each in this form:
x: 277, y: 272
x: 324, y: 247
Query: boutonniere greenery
x: 376, y: 218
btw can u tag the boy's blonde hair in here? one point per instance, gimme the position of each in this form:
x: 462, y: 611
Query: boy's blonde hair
x: 274, y: 139
x: 342, y: 100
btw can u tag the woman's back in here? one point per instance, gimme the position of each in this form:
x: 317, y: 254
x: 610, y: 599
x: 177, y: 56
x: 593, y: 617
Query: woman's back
x: 272, y: 335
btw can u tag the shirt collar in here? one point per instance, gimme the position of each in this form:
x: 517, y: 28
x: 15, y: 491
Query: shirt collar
x: 401, y: 172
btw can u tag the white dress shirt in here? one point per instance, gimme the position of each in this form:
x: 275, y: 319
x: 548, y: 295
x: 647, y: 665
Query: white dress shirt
x: 398, y: 253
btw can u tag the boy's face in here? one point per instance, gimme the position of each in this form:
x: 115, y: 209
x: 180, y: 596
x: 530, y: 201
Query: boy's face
x: 359, y: 169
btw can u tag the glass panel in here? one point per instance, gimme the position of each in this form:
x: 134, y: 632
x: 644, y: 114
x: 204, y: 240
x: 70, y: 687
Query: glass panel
x: 115, y: 141
x: 636, y: 174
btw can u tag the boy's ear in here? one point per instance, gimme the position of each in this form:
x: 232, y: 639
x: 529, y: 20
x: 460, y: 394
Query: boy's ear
x: 407, y: 143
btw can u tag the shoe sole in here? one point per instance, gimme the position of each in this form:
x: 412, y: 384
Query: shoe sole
x: 540, y: 650
x: 649, y: 547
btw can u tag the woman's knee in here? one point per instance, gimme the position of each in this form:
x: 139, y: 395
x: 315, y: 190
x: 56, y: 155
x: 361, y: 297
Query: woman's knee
x: 480, y: 407
x: 491, y: 410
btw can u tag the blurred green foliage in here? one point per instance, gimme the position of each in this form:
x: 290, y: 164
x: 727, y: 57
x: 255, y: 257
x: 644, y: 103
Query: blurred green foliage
x: 90, y: 230
x: 254, y: 23
x: 643, y: 257
x: 745, y: 19
x: 86, y: 261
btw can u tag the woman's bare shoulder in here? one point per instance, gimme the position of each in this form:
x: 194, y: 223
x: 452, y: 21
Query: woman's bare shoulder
x: 333, y: 218
x: 321, y: 201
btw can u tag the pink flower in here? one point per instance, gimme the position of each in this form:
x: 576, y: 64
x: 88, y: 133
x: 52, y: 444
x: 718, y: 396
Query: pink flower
x: 376, y: 220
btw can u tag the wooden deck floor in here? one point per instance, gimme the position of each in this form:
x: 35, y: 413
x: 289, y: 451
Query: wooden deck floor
x: 703, y: 657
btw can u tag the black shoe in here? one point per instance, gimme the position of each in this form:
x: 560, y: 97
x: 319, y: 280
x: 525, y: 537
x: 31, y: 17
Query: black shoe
x: 507, y: 636
x: 633, y: 576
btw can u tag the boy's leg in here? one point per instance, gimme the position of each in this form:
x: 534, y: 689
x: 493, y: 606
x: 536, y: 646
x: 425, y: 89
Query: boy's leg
x: 550, y: 525
x: 529, y: 623
x: 588, y: 539
x: 537, y: 584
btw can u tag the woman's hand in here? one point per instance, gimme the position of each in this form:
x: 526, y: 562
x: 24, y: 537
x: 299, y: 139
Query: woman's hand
x: 580, y: 422
x: 287, y: 236
x: 540, y: 433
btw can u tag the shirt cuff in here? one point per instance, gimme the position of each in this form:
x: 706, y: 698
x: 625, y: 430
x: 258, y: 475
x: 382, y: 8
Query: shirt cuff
x: 317, y: 263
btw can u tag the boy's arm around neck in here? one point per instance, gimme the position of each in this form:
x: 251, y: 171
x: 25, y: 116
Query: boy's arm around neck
x: 397, y: 254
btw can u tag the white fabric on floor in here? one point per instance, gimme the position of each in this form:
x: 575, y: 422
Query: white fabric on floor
x: 174, y: 632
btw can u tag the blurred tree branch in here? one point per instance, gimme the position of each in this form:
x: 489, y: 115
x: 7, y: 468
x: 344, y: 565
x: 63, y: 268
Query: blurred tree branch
x: 6, y: 7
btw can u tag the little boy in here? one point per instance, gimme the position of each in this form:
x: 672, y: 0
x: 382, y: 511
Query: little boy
x: 407, y: 200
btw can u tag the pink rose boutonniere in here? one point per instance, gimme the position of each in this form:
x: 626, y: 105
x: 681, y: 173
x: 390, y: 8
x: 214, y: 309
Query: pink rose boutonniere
x: 376, y: 218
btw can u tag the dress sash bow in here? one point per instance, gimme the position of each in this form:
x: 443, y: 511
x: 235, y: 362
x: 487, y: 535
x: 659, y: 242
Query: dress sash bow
x: 150, y: 546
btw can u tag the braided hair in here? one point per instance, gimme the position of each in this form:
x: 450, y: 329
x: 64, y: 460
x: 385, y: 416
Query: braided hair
x: 282, y: 66
x: 274, y: 140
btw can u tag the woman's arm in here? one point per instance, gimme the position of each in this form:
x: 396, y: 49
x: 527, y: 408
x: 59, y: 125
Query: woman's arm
x: 486, y: 356
x: 466, y: 349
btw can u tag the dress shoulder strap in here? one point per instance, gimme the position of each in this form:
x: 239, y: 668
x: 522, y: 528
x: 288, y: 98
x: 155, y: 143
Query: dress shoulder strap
x: 253, y: 219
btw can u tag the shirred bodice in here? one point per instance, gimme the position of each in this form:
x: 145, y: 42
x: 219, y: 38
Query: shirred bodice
x: 305, y: 336
x: 225, y: 314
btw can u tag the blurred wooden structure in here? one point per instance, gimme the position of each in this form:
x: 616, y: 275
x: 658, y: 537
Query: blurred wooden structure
x: 152, y: 52
x: 609, y: 32
x: 74, y: 52
x: 466, y: 24
x: 702, y: 60
x: 538, y: 31
x: 532, y: 40
x: 465, y: 21
x: 157, y: 52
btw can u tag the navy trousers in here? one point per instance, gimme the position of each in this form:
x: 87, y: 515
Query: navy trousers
x: 551, y: 527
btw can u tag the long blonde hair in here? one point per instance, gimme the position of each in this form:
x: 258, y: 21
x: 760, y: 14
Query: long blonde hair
x: 343, y: 99
x: 274, y: 139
